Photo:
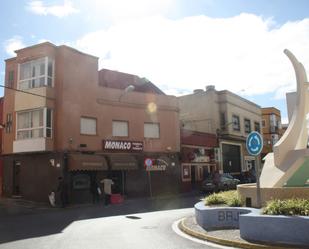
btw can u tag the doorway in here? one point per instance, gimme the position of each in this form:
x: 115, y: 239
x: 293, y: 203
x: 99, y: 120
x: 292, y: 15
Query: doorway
x: 16, y: 178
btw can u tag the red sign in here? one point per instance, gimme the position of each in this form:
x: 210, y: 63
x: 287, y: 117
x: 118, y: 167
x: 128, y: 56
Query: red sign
x: 120, y: 145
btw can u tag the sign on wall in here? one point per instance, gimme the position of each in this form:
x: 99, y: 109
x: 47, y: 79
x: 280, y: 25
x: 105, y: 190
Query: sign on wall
x: 121, y: 145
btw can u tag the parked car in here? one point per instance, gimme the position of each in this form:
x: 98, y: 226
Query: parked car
x: 226, y: 182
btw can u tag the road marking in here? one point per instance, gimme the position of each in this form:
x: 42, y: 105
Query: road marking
x: 204, y: 242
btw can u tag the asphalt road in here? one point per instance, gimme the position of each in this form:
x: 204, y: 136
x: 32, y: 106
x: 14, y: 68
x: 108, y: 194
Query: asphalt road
x: 101, y: 227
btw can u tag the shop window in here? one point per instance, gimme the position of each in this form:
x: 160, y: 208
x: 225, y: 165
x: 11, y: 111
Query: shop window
x: 36, y: 73
x: 81, y: 182
x: 34, y: 124
x: 120, y: 129
x: 151, y: 130
x: 236, y: 123
x: 88, y: 126
x: 247, y: 125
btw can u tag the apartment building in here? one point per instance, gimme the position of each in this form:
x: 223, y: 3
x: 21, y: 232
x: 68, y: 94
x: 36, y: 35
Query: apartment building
x: 70, y: 120
x: 228, y: 116
x: 271, y: 128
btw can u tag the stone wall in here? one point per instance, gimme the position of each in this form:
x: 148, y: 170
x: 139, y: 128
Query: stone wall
x: 267, y: 194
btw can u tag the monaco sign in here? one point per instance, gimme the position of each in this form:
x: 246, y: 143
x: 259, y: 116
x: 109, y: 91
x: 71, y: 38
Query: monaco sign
x: 120, y: 145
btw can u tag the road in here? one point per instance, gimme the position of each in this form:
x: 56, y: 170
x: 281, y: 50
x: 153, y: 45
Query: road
x: 100, y: 227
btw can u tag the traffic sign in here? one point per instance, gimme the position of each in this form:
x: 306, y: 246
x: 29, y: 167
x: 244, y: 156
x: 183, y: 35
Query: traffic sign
x: 254, y: 143
x: 148, y: 162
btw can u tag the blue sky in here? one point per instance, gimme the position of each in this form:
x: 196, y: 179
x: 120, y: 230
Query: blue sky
x: 179, y: 45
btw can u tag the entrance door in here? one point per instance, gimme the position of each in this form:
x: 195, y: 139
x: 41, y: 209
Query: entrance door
x: 193, y: 177
x: 231, y: 158
x: 16, y: 178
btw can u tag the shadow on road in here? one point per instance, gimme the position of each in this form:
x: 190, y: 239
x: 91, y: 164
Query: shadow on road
x: 53, y: 221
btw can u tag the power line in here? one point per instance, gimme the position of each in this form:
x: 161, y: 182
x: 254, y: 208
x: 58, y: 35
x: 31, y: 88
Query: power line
x: 34, y: 94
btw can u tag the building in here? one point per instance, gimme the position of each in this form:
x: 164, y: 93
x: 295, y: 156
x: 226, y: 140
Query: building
x: 1, y: 132
x: 83, y: 124
x: 198, y: 157
x: 271, y: 128
x: 228, y: 116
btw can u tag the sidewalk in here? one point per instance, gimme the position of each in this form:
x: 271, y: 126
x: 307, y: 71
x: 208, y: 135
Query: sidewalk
x: 12, y: 206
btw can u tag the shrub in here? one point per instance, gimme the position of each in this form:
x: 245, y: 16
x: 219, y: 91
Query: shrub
x: 229, y: 198
x: 214, y: 199
x: 287, y: 207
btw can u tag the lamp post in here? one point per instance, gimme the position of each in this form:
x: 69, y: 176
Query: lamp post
x: 128, y: 89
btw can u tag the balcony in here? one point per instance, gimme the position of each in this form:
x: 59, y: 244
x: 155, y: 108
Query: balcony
x: 31, y: 145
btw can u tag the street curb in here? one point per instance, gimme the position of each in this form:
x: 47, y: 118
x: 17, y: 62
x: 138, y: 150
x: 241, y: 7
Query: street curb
x: 225, y: 242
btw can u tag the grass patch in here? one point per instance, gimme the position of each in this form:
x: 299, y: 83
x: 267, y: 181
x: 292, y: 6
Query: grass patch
x: 287, y: 207
x: 229, y: 198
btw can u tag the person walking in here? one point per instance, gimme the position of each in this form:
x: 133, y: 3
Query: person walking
x: 95, y: 191
x: 107, y: 185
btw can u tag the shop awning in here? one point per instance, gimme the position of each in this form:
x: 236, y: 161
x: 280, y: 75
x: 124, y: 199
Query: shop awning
x: 123, y: 162
x: 86, y: 162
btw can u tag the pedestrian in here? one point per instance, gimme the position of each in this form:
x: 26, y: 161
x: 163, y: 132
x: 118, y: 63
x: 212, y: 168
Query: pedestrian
x: 62, y: 190
x: 216, y: 180
x: 95, y: 191
x: 107, y: 185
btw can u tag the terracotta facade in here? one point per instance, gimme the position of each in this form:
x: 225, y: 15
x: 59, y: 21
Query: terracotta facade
x: 79, y: 91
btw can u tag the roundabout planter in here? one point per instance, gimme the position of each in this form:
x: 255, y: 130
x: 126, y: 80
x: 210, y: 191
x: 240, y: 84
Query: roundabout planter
x: 209, y: 217
x: 254, y: 226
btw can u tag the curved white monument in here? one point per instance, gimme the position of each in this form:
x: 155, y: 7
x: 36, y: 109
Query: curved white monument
x: 290, y: 151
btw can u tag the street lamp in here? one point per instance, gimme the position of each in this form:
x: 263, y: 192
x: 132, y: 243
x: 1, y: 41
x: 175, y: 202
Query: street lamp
x: 128, y: 89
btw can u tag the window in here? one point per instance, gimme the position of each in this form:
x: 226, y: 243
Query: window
x: 34, y: 124
x: 120, y: 129
x: 10, y: 79
x: 9, y: 121
x: 36, y: 73
x: 88, y: 126
x: 273, y: 120
x: 236, y: 124
x: 263, y: 123
x: 151, y: 130
x: 257, y: 127
x: 247, y: 125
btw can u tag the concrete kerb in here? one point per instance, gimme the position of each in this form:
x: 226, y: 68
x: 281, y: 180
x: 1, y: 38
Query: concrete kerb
x: 204, y: 236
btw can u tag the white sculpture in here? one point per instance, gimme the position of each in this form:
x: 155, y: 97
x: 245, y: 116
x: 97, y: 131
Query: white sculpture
x: 290, y: 151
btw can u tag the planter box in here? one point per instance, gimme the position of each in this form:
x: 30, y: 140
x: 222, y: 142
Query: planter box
x: 291, y: 230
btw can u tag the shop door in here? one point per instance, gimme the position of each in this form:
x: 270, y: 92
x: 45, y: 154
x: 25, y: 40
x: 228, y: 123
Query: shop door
x: 16, y: 178
x: 231, y: 158
x: 193, y: 177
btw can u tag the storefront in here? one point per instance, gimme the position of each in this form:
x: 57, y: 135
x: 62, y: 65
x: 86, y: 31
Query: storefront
x: 198, y: 158
x: 84, y: 171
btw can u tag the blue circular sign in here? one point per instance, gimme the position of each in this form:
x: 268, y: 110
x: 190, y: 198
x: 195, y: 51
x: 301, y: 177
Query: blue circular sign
x: 254, y: 143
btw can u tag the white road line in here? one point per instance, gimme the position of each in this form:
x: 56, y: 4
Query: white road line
x: 184, y: 235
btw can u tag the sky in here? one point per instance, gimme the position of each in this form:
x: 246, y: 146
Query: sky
x: 179, y: 45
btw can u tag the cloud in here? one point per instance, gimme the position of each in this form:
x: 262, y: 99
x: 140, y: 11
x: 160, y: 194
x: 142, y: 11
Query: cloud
x: 243, y: 53
x: 38, y: 7
x: 13, y: 44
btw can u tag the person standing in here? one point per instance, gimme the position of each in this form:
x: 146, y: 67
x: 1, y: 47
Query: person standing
x: 107, y: 185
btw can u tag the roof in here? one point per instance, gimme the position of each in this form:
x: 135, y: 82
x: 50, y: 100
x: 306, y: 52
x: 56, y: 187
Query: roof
x: 237, y: 96
x: 120, y: 80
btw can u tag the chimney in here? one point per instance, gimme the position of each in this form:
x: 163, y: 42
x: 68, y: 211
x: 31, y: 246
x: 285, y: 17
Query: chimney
x: 196, y: 91
x: 210, y: 88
